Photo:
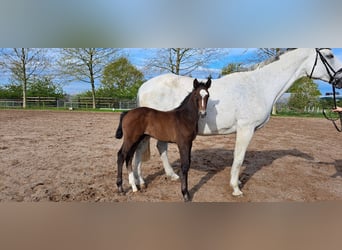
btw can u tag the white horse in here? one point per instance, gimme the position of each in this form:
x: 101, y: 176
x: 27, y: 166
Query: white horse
x: 239, y: 102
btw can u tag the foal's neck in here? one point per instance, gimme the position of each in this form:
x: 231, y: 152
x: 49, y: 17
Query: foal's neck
x: 189, y: 108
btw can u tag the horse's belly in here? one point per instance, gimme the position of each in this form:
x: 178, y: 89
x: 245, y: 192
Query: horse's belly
x: 210, y: 127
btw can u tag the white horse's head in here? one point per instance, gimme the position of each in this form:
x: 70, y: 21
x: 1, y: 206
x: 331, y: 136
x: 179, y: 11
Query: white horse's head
x: 323, y: 65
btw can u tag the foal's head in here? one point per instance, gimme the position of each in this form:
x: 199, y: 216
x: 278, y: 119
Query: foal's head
x: 201, y: 95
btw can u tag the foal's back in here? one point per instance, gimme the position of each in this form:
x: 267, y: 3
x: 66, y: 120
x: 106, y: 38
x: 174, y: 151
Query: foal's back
x: 158, y: 124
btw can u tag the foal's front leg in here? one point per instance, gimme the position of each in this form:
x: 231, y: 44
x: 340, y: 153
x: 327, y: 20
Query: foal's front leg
x: 185, y: 157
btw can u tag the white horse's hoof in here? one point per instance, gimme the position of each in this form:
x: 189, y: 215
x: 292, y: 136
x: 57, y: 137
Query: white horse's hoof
x: 174, y: 177
x: 134, y: 189
x: 237, y: 193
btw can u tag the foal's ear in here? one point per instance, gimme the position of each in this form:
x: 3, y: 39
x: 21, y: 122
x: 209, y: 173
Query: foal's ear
x: 196, y: 84
x: 208, y: 83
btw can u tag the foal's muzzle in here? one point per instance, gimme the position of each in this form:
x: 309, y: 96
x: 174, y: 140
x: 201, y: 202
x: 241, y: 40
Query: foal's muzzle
x: 202, y: 113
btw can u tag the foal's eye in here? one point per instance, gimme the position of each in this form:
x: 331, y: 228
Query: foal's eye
x: 330, y: 56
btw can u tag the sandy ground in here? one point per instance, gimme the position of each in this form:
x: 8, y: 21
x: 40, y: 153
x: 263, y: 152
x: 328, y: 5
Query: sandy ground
x: 71, y: 156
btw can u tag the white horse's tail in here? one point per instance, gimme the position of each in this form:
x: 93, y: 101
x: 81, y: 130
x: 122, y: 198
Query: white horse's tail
x: 146, y: 155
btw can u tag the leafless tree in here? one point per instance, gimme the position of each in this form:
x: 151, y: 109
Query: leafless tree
x: 85, y: 64
x: 23, y: 64
x: 183, y: 61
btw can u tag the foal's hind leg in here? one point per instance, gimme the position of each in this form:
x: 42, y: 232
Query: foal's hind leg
x: 120, y: 160
x: 125, y: 154
x: 131, y: 179
x: 162, y: 148
x: 132, y: 173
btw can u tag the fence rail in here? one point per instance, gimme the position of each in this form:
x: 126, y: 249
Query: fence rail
x: 72, y: 103
x: 118, y: 105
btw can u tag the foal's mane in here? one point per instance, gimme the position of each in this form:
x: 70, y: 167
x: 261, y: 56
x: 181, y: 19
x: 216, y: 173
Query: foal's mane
x: 187, y: 98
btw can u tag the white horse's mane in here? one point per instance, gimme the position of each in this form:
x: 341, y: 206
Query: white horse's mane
x: 266, y: 62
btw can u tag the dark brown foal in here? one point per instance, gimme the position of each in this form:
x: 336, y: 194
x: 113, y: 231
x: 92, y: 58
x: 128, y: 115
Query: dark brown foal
x: 176, y: 126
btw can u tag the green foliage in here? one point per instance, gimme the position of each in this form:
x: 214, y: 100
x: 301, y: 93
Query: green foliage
x: 304, y: 93
x: 43, y: 87
x: 120, y: 79
x: 328, y: 102
x: 11, y: 91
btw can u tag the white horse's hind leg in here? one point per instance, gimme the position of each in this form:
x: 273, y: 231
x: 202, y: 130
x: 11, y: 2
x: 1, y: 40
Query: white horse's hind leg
x: 243, y: 138
x: 162, y: 148
x: 137, y: 162
x: 132, y: 182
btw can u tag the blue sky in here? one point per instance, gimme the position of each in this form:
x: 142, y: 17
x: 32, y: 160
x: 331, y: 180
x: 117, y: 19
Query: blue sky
x: 139, y: 56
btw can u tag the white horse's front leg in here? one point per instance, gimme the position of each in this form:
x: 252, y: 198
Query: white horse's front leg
x: 243, y: 138
x: 162, y: 148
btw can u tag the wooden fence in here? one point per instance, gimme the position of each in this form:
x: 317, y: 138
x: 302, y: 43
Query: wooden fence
x: 73, y: 102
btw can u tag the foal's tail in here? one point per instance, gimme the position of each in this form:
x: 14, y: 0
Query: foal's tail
x: 119, y: 133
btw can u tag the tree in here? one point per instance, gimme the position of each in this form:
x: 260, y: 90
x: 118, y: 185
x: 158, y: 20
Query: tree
x: 24, y: 64
x: 231, y: 68
x: 85, y: 64
x: 120, y: 79
x: 44, y: 86
x: 11, y: 91
x: 182, y: 61
x: 265, y: 53
x: 304, y: 92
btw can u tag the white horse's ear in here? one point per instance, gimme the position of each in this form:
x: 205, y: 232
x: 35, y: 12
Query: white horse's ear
x: 196, y: 84
x: 208, y: 83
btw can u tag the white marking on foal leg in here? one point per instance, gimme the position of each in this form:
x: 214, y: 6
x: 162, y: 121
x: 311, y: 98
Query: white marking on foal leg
x: 132, y: 181
x: 162, y: 148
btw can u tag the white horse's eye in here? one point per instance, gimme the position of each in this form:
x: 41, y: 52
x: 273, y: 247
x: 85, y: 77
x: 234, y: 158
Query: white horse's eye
x: 330, y: 56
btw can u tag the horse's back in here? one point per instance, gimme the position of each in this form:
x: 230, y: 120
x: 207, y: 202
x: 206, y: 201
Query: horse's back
x: 164, y: 92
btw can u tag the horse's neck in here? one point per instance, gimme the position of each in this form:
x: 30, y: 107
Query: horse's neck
x: 189, y: 109
x: 278, y: 76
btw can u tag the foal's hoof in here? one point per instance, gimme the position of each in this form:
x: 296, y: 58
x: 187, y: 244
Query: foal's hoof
x: 121, y: 191
x: 187, y: 197
x: 142, y: 186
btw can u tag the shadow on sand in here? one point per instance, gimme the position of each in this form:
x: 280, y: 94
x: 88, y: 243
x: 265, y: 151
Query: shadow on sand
x: 221, y: 158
